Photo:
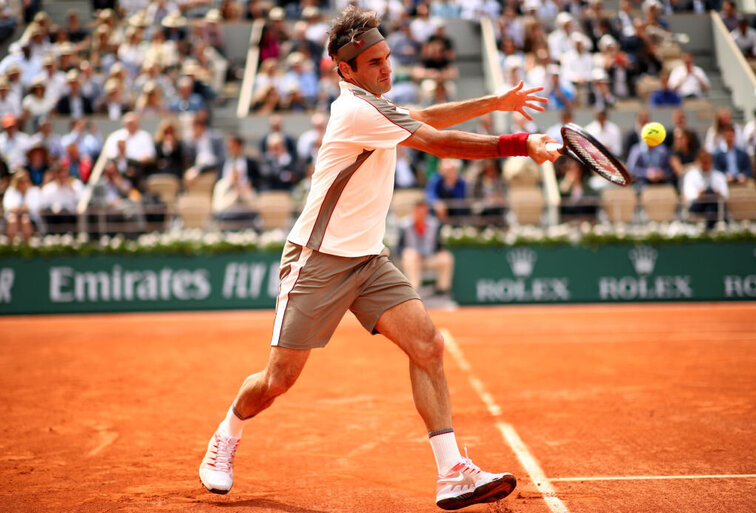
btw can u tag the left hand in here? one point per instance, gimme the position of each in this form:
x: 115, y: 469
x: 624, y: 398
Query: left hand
x: 517, y: 99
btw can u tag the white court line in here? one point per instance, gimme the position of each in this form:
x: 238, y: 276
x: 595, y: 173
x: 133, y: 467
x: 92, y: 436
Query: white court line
x: 529, y: 463
x: 653, y: 478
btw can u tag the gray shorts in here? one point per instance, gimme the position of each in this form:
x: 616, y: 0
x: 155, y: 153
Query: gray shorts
x: 317, y: 289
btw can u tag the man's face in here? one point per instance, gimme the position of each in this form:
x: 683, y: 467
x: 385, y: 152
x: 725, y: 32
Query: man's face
x: 373, y: 71
x: 705, y: 162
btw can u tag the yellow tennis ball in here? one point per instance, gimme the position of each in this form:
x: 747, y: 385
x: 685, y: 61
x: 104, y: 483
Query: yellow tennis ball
x: 653, y: 133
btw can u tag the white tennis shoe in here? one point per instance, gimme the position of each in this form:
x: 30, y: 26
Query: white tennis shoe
x: 466, y: 484
x: 217, y: 468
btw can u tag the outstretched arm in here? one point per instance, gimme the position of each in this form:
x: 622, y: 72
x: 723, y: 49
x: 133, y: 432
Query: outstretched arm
x: 452, y: 113
x: 467, y: 145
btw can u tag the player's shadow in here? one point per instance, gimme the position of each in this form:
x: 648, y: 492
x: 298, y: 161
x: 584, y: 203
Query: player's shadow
x: 267, y: 504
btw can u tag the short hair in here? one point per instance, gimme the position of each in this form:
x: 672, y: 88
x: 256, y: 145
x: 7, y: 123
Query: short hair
x: 352, y: 22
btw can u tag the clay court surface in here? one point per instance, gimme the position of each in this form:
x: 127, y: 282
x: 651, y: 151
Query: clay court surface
x: 632, y: 408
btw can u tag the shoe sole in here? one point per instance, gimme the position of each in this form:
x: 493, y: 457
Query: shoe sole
x: 213, y: 490
x: 491, y: 492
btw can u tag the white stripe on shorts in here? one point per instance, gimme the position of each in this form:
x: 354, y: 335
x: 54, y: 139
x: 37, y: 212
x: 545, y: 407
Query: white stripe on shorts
x: 283, y: 293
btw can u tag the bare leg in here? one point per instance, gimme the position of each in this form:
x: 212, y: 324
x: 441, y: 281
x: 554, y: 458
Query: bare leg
x: 412, y: 264
x: 260, y: 390
x: 11, y: 228
x: 27, y: 228
x: 409, y: 326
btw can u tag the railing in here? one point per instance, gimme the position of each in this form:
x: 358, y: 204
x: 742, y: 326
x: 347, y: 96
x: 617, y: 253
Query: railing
x: 250, y: 70
x: 736, y: 72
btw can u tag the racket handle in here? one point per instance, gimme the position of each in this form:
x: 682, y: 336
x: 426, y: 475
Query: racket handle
x: 552, y: 146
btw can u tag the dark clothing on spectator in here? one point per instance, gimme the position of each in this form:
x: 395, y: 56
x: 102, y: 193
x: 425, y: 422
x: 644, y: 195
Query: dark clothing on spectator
x: 67, y: 106
x: 735, y: 164
x: 169, y: 160
x: 665, y: 98
x: 279, y: 174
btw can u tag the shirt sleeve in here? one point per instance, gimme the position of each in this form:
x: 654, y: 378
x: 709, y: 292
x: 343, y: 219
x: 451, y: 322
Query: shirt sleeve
x: 378, y: 123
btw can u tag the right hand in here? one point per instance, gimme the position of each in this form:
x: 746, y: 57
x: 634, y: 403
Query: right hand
x: 537, y: 148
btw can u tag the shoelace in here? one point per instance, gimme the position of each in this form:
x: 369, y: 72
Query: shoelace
x: 225, y: 450
x: 469, y: 464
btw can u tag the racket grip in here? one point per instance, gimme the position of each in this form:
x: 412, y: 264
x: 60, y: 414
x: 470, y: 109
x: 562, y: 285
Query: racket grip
x: 552, y: 146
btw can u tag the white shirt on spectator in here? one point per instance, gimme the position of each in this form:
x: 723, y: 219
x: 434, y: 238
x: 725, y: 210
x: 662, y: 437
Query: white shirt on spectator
x: 422, y: 29
x: 139, y: 146
x: 714, y: 142
x: 577, y: 67
x: 58, y: 198
x: 14, y: 150
x: 131, y: 7
x: 687, y: 84
x: 476, y: 9
x: 749, y: 136
x: 695, y: 181
x: 38, y: 106
x: 609, y: 134
x: 31, y: 200
x: 10, y: 105
x: 559, y: 43
x: 746, y: 42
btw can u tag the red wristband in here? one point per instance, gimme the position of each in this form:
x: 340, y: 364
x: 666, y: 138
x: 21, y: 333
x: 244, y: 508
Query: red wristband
x: 513, y: 145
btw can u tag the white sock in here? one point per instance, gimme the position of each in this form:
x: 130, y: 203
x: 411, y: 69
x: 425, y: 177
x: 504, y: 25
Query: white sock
x: 445, y: 450
x: 232, y: 425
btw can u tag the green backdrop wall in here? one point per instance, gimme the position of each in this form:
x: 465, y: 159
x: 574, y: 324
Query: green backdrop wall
x: 536, y: 274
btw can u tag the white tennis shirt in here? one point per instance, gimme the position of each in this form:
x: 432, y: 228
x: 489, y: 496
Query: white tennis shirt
x: 345, y: 212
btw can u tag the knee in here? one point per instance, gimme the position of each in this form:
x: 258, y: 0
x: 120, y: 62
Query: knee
x: 430, y: 352
x: 279, y: 382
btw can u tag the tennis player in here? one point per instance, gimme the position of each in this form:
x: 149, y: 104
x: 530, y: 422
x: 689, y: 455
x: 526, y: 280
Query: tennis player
x: 334, y: 259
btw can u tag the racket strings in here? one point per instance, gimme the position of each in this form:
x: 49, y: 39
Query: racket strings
x: 595, y: 157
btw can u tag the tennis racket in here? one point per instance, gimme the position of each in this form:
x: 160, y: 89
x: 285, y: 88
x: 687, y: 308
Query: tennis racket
x: 586, y: 149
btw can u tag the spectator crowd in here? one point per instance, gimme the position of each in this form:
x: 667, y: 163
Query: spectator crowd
x: 160, y: 69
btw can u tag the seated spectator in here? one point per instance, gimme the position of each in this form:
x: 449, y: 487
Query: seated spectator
x: 403, y: 46
x: 21, y: 205
x: 733, y: 161
x: 650, y: 164
x: 607, y: 132
x: 745, y: 37
x: 703, y: 188
x: 169, y: 150
x: 234, y: 199
x: 237, y: 161
x: 186, y: 100
x: 59, y: 199
x: 559, y: 38
x: 48, y: 139
x: 406, y: 174
x: 152, y: 73
x: 298, y: 89
x: 644, y: 54
x: 488, y: 192
x: 562, y: 95
x: 75, y: 32
x: 92, y: 85
x: 680, y: 124
x: 278, y: 169
x: 9, y: 104
x: 601, y: 96
x: 420, y: 248
x: 730, y: 15
x: 684, y: 152
x: 86, y: 137
x: 309, y: 142
x: 114, y: 104
x: 266, y: 97
x: 132, y: 51
x: 436, y: 67
x: 150, y: 104
x: 74, y: 103
x: 13, y: 142
x: 633, y: 137
x: 53, y: 78
x: 665, y: 96
x: 576, y: 63
x: 78, y: 165
x: 36, y: 104
x: 137, y: 147
x: 8, y: 22
x: 749, y: 138
x: 578, y: 197
x: 117, y: 198
x: 299, y: 42
x: 38, y: 164
x: 422, y: 26
x: 714, y: 140
x: 689, y: 80
x: 203, y: 151
x: 275, y: 126
x: 446, y: 191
